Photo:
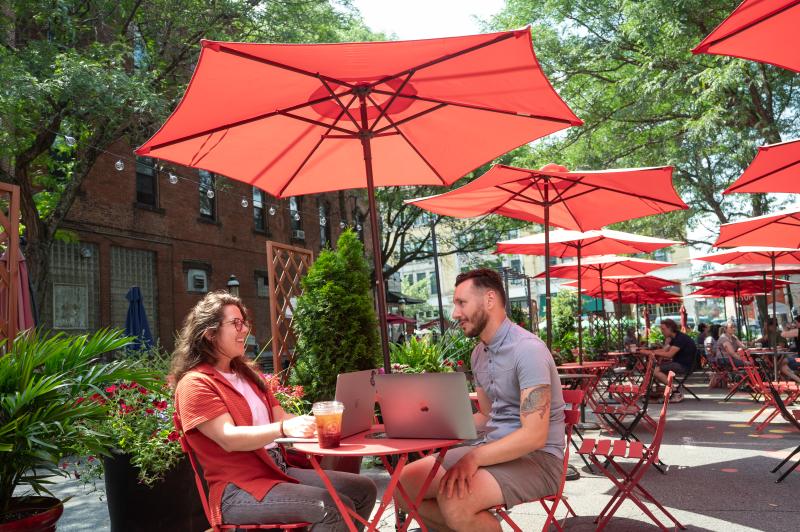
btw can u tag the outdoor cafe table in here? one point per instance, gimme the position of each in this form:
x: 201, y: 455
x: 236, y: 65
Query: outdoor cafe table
x: 364, y: 444
x: 771, y: 353
x: 596, y: 368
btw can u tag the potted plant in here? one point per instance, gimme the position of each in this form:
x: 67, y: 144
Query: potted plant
x: 42, y: 415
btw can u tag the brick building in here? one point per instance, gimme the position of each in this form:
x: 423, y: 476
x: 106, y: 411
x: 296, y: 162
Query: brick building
x: 140, y: 226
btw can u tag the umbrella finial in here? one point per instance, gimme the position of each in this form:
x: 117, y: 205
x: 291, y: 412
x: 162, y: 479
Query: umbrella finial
x: 553, y: 167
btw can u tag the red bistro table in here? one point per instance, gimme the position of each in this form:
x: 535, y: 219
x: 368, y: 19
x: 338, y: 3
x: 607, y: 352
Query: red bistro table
x: 362, y: 444
x: 597, y: 369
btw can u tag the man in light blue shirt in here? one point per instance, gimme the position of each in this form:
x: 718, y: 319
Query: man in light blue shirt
x: 521, y: 406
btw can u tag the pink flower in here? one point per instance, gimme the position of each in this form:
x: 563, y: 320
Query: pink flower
x: 90, y: 459
x: 111, y: 389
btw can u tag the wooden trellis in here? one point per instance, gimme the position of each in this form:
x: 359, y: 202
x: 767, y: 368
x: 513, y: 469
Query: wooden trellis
x: 286, y: 266
x: 9, y: 268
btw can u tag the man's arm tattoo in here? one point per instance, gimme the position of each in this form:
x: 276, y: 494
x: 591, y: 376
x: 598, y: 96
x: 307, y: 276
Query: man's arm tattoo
x: 537, y: 400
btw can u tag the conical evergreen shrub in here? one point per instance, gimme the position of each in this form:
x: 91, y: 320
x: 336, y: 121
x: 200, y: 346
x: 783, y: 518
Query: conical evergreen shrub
x: 335, y: 320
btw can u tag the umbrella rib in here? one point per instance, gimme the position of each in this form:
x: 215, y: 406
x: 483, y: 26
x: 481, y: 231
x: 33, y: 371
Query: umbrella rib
x: 735, y: 186
x: 318, y: 123
x: 243, y: 122
x: 339, y: 101
x: 385, y: 109
x: 776, y: 222
x: 270, y: 62
x: 446, y: 57
x: 749, y: 25
x: 411, y: 144
x: 402, y: 121
x: 312, y: 151
x: 609, y: 189
x: 475, y: 107
x: 560, y: 195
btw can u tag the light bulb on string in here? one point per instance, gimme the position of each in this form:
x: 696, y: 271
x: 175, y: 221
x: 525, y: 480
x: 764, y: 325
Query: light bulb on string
x: 342, y: 225
x: 296, y: 217
x: 358, y: 227
x: 271, y: 210
x: 245, y: 203
x: 119, y: 165
x: 323, y: 222
x: 173, y: 179
x: 210, y: 194
x: 70, y: 140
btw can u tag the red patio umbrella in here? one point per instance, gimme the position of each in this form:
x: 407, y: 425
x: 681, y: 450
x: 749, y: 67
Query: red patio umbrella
x: 759, y: 30
x: 749, y: 270
x: 558, y: 197
x: 780, y: 229
x: 24, y: 318
x: 566, y: 243
x: 776, y: 168
x: 301, y: 119
x: 605, y: 265
x: 398, y: 319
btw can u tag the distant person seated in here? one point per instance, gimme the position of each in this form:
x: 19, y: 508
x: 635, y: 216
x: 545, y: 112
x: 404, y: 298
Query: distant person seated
x: 630, y: 339
x: 729, y: 348
x: 771, y: 338
x: 791, y: 333
x: 679, y: 352
x: 401, y: 339
x: 711, y: 343
x: 702, y: 330
x: 520, y: 402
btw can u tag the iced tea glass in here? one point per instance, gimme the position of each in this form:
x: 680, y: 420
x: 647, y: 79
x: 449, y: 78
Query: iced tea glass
x: 328, y: 415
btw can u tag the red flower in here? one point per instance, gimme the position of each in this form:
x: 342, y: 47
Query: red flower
x: 111, y: 389
x: 142, y: 390
x: 64, y: 465
x: 149, y: 411
x: 79, y: 400
x: 161, y: 405
x: 460, y: 363
x: 173, y: 436
x: 124, y: 408
x: 90, y: 459
x: 97, y: 398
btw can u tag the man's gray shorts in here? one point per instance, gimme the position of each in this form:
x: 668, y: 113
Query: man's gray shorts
x: 526, y: 478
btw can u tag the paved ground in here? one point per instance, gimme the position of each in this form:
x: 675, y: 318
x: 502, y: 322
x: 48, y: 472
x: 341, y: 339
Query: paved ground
x: 718, y: 478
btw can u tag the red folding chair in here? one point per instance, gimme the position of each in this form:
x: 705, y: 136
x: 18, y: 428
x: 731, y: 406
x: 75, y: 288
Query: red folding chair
x: 758, y: 384
x: 633, y: 399
x: 571, y: 417
x: 202, y: 489
x: 629, y: 483
x: 793, y: 418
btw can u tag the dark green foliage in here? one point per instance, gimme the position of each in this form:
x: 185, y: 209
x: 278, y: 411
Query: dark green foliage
x: 335, y: 320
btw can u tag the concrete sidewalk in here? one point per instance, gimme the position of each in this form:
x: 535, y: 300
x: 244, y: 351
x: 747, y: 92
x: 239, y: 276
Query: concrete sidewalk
x: 718, y: 477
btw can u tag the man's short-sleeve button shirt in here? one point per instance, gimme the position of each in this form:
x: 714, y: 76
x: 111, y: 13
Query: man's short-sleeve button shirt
x: 516, y: 359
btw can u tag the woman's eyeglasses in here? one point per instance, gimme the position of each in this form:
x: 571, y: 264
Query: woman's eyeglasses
x: 238, y: 324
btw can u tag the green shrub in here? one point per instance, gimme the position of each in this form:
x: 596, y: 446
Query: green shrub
x: 656, y: 336
x: 336, y: 327
x: 457, y: 347
x: 418, y: 356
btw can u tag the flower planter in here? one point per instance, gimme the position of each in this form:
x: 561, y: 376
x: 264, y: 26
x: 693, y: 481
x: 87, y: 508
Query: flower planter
x: 32, y: 514
x: 172, y: 504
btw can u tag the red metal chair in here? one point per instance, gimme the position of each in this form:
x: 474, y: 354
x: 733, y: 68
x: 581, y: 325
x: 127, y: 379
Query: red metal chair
x: 760, y: 386
x: 628, y: 483
x: 202, y: 489
x: 571, y: 417
x: 793, y: 418
x: 633, y: 399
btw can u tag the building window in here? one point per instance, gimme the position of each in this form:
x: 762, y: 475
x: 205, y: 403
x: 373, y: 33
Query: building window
x: 262, y: 284
x: 260, y: 210
x: 661, y: 254
x: 324, y: 224
x: 129, y: 268
x: 208, y: 206
x: 296, y: 219
x: 146, y: 181
x: 433, y: 285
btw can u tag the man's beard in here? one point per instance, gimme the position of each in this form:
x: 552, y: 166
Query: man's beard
x: 478, y: 322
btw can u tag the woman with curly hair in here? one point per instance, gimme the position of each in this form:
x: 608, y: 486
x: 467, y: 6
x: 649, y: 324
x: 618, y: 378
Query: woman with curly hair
x: 231, y: 421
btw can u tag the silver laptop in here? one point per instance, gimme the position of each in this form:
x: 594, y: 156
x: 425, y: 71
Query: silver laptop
x: 356, y: 390
x: 426, y: 405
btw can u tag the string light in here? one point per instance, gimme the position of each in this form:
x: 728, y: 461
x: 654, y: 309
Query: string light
x: 119, y: 165
x: 323, y: 222
x: 358, y: 227
x: 272, y: 210
x: 296, y: 217
x: 173, y: 179
x: 210, y: 193
x: 245, y: 203
x: 70, y: 140
x: 342, y: 225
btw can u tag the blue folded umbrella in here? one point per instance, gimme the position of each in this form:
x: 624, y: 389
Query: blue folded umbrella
x: 136, y: 322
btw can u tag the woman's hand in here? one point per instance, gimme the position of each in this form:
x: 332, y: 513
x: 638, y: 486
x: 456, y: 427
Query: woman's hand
x: 300, y: 426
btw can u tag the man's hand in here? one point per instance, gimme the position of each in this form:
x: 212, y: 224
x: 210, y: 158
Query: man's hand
x: 459, y: 476
x: 299, y: 427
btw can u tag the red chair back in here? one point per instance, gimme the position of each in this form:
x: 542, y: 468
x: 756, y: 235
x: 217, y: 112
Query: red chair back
x: 662, y: 421
x: 202, y: 488
x: 571, y: 417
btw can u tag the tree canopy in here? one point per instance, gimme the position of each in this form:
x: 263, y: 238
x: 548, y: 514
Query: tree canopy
x: 626, y: 68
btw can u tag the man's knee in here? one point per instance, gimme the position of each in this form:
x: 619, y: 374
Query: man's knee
x: 413, y: 477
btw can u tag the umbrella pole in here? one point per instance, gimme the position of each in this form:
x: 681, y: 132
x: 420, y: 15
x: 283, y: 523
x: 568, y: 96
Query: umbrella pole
x: 438, y: 279
x: 619, y: 317
x: 603, y: 305
x: 774, y: 316
x: 548, y: 310
x: 580, y: 312
x: 638, y: 337
x: 376, y: 235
